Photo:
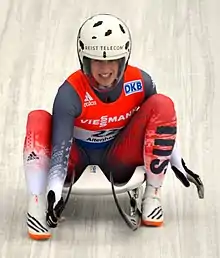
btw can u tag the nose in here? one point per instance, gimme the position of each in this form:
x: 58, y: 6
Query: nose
x: 105, y: 65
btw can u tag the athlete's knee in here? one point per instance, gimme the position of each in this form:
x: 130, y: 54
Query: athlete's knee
x: 38, y: 129
x: 160, y: 101
x: 161, y: 104
x: 38, y: 119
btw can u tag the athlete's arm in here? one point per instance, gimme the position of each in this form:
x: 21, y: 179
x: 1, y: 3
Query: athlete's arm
x: 149, y: 85
x: 67, y: 106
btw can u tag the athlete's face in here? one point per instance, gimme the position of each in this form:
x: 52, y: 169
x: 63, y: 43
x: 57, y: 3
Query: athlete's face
x: 104, y: 72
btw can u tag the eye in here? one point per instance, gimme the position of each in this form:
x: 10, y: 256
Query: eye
x: 97, y: 61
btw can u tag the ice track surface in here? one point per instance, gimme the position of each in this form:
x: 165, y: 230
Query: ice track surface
x: 177, y: 42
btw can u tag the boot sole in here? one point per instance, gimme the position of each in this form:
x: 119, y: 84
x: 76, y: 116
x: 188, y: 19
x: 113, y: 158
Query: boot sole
x: 152, y: 223
x: 39, y: 236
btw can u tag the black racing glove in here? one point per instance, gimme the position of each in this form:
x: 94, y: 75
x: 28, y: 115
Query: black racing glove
x: 191, y: 177
x: 53, y: 214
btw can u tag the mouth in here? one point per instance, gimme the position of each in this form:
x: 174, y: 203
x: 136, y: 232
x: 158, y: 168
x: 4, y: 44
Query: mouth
x: 105, y: 75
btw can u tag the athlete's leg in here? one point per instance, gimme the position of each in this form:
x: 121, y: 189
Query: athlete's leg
x: 147, y: 140
x: 37, y: 156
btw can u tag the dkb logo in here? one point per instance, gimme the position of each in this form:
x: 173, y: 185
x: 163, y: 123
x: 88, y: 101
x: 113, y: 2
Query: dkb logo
x: 133, y: 87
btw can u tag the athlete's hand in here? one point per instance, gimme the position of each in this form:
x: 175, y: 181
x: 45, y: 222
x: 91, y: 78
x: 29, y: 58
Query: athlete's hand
x: 191, y: 177
x: 195, y: 179
x: 53, y: 213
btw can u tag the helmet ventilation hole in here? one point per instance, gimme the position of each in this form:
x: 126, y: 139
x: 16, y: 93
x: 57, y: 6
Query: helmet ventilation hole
x: 127, y: 45
x: 108, y: 32
x: 122, y: 29
x: 98, y: 24
x: 81, y: 45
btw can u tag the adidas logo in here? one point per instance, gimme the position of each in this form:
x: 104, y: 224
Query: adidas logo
x: 88, y: 100
x: 35, y: 225
x: 156, y: 214
x: 32, y: 156
x: 88, y: 97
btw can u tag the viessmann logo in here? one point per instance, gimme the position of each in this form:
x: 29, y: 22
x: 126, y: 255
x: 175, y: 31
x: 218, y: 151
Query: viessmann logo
x: 104, y: 120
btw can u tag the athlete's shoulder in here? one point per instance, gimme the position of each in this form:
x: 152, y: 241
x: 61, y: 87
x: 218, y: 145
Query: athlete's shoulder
x: 131, y: 69
x: 143, y: 73
x: 67, y: 100
x: 132, y: 73
x: 75, y: 77
x: 149, y: 84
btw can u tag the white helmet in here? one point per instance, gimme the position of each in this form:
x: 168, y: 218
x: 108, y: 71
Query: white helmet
x: 103, y: 37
